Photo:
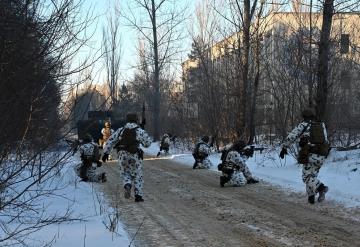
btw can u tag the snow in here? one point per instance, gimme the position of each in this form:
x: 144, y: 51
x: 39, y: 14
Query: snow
x: 341, y: 171
x: 100, y: 224
x: 93, y: 216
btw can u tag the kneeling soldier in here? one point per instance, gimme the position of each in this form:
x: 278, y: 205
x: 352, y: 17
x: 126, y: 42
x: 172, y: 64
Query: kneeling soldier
x: 164, y: 144
x: 234, y: 166
x: 201, y: 154
x: 89, y: 153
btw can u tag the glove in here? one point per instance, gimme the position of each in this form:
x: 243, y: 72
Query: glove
x: 283, y: 153
x: 105, y: 157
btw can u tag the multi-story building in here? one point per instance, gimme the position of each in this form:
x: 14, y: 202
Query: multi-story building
x: 279, y: 32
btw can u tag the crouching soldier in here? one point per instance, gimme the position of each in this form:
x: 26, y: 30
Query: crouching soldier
x: 127, y: 142
x: 164, y: 144
x: 233, y: 166
x: 314, y: 147
x: 89, y: 153
x: 201, y: 154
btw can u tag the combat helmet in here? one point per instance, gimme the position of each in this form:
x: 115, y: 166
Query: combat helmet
x: 308, y: 113
x: 132, y: 118
x: 205, y: 139
x: 87, y: 138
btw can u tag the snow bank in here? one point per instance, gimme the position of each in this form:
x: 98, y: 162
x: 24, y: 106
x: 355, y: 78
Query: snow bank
x: 341, y: 171
x: 94, y: 222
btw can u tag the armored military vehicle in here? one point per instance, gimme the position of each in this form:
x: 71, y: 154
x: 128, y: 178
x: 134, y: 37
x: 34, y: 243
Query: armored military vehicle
x: 95, y: 122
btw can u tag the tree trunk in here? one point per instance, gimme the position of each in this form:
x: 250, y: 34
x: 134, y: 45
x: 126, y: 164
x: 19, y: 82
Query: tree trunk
x: 156, y: 75
x: 324, y: 50
x: 244, y: 89
x: 256, y: 80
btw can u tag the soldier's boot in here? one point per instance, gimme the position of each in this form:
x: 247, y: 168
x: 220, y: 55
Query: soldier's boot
x: 127, y: 191
x: 222, y: 181
x: 103, y: 177
x: 311, y: 199
x: 252, y: 181
x: 138, y: 198
x: 322, y: 191
x: 158, y: 154
x: 83, y: 173
x: 195, y: 165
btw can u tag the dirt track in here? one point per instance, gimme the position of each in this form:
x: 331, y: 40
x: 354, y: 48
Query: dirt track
x: 186, y: 207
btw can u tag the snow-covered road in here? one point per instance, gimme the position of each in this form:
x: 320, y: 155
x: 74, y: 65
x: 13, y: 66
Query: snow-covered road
x: 186, y: 207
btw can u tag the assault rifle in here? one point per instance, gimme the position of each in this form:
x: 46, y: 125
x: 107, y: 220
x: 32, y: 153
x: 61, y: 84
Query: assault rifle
x: 249, y: 150
x: 143, y: 119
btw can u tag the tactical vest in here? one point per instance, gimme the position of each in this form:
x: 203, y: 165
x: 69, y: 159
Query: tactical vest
x: 318, y: 139
x: 163, y: 143
x: 197, y: 154
x: 91, y: 152
x: 316, y: 143
x: 128, y: 141
x: 317, y: 135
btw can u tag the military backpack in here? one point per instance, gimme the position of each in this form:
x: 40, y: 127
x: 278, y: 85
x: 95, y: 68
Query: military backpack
x: 318, y: 139
x: 128, y: 141
x: 163, y: 143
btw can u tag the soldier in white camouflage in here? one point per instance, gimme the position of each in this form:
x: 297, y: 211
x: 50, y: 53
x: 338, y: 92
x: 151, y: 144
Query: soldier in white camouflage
x: 164, y: 144
x: 201, y: 154
x: 89, y: 153
x: 314, y: 148
x: 234, y: 168
x: 127, y: 141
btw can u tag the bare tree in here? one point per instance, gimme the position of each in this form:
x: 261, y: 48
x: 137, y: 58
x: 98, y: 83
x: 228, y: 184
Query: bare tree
x: 112, y: 51
x: 37, y: 48
x: 324, y: 53
x: 244, y: 18
x: 161, y: 29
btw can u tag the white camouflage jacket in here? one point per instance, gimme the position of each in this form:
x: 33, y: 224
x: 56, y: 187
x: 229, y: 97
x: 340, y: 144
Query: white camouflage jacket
x: 236, y: 158
x: 141, y: 136
x: 204, y: 148
x: 166, y: 140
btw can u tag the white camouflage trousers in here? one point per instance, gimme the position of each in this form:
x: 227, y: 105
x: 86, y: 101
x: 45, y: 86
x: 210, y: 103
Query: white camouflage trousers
x: 237, y: 179
x: 204, y: 164
x: 131, y: 166
x: 310, y: 172
x: 88, y: 171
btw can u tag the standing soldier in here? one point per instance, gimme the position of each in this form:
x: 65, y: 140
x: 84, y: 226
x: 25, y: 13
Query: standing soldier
x: 314, y: 148
x: 89, y: 153
x: 201, y: 154
x: 127, y: 141
x: 164, y: 144
x: 233, y: 167
x: 106, y: 132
